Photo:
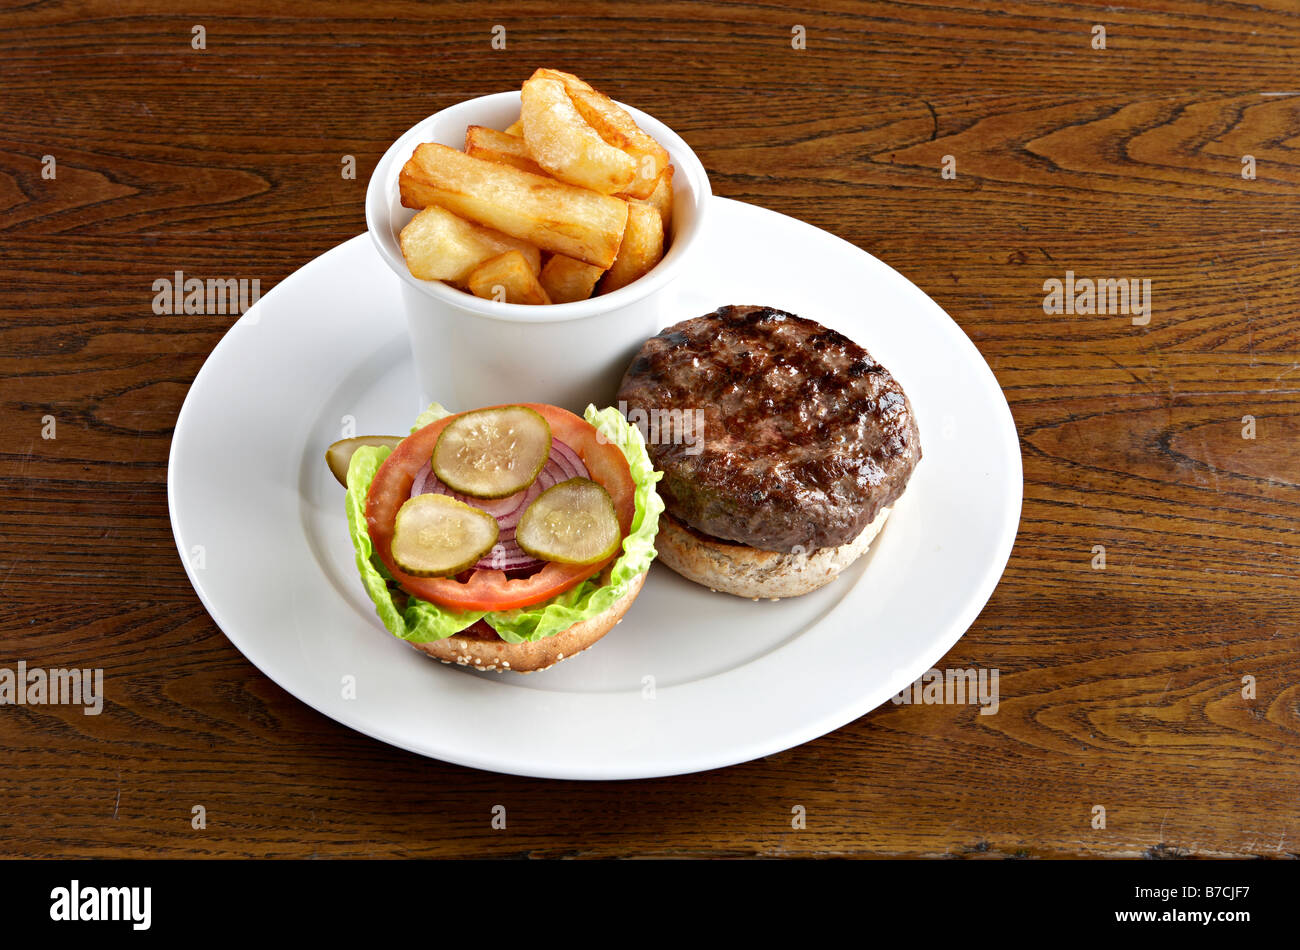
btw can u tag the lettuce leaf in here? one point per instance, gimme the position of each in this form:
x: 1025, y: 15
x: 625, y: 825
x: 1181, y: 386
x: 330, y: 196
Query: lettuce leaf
x: 430, y: 416
x: 421, y: 621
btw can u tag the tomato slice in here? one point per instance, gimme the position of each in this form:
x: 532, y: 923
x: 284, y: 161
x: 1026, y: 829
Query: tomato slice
x: 492, y: 590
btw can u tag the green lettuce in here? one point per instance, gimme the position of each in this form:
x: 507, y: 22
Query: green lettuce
x: 420, y: 621
x: 430, y: 416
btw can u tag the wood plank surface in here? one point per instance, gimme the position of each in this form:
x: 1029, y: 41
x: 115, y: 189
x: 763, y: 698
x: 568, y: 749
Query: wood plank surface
x: 1120, y: 687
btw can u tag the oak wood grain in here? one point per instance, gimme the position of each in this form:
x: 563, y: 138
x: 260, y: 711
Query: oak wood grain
x: 1119, y: 687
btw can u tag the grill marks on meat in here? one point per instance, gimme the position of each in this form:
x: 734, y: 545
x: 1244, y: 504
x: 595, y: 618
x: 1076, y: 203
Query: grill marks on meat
x: 804, y: 436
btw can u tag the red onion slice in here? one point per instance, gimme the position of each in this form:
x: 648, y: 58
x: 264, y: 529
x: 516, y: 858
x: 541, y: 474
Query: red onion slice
x: 422, y: 476
x: 497, y: 507
x: 511, y: 518
x: 427, y: 483
x: 506, y: 555
x: 568, y: 460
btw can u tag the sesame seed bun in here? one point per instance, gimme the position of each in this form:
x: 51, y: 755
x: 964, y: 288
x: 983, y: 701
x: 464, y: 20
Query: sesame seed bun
x: 499, y: 656
x: 749, y: 572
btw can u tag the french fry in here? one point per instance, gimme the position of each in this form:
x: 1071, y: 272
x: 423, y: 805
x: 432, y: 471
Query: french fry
x: 516, y: 128
x: 438, y: 245
x: 566, y: 280
x: 561, y: 141
x: 620, y: 130
x: 481, y: 142
x: 617, y: 127
x: 567, y: 80
x: 642, y: 247
x: 662, y: 199
x: 507, y: 278
x: 549, y: 214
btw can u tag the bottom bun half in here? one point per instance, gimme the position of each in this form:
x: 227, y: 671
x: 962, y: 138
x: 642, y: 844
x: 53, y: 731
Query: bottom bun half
x: 749, y: 572
x: 530, y: 657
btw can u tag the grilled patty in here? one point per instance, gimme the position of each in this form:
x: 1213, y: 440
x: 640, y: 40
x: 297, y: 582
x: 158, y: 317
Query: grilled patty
x: 771, y: 430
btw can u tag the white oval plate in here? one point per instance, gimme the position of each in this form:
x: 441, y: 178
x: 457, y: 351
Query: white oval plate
x: 691, y: 680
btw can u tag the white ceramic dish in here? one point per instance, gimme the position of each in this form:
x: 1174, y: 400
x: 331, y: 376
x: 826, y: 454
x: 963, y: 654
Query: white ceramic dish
x: 482, y: 351
x: 691, y: 680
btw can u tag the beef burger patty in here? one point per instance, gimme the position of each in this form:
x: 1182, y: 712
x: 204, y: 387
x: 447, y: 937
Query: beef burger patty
x: 794, y: 439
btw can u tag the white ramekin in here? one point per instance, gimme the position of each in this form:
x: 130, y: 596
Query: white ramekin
x: 471, y: 352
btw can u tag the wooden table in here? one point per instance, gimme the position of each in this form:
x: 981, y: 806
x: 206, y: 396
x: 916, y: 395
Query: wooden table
x: 1120, y: 687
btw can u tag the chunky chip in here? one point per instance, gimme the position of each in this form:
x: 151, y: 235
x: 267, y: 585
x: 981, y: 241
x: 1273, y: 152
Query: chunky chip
x: 549, y: 214
x: 507, y: 278
x: 662, y: 199
x: 438, y: 245
x: 620, y: 130
x: 566, y: 280
x: 562, y: 142
x: 642, y: 247
x: 494, y: 146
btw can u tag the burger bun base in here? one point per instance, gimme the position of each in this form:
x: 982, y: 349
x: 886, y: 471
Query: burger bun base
x: 530, y: 657
x: 748, y: 572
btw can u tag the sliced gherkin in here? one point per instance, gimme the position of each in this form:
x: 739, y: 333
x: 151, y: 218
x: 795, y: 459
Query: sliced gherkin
x: 573, y: 522
x: 338, y: 455
x: 492, y: 453
x: 437, y: 536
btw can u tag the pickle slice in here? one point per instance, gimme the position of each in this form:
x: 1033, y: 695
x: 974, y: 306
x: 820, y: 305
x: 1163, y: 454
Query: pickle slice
x: 492, y: 453
x: 338, y: 455
x: 436, y: 535
x: 573, y: 522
